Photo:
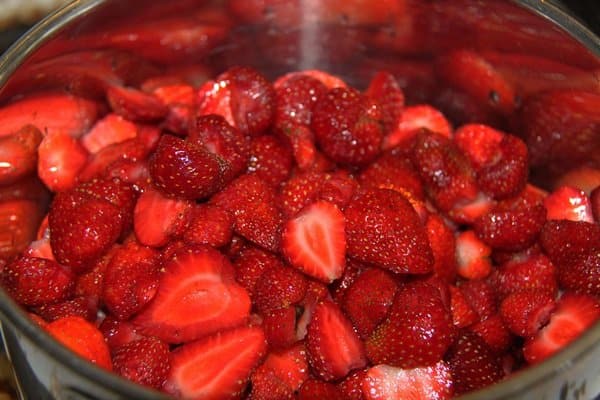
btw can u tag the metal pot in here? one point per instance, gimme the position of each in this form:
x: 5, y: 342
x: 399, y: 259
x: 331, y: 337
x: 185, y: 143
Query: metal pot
x: 351, y: 44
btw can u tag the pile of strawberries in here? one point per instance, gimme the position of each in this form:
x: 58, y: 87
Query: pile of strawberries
x: 297, y: 239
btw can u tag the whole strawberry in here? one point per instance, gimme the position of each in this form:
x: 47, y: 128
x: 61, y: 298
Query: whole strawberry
x: 144, y: 361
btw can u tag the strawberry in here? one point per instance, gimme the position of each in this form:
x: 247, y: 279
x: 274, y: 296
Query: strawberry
x: 316, y: 389
x: 470, y: 72
x: 218, y: 366
x: 417, y: 331
x: 89, y: 283
x: 111, y: 129
x: 368, y: 300
x: 316, y: 292
x: 144, y: 361
x: 85, y: 307
x: 296, y: 97
x: 412, y: 119
x: 443, y: 247
x: 347, y: 126
x: 135, y: 173
x: 40, y: 248
x: 383, y: 228
x: 536, y: 273
x: 135, y: 105
x: 134, y: 150
x: 481, y: 296
x: 472, y: 363
x: 209, y: 224
x: 19, y: 221
x: 479, y: 142
x: 565, y: 241
x: 334, y: 349
x: 51, y: 113
x: 330, y: 81
x: 118, y: 333
x: 383, y: 382
x: 339, y: 188
x: 302, y: 141
x: 494, y: 332
x: 267, y: 386
x: 228, y: 143
x: 445, y: 172
x: 270, y: 159
x: 36, y: 281
x: 569, y: 203
x: 196, y: 296
x: 290, y: 366
x: 300, y: 190
x: 83, y: 338
x: 352, y: 386
x: 595, y: 200
x: 513, y: 224
x: 279, y: 287
x: 180, y: 168
x: 386, y: 90
x: 280, y: 327
x: 473, y: 256
x: 82, y: 228
x: 574, y: 313
x: 462, y: 312
x: 526, y: 312
x: 581, y: 275
x: 60, y: 160
x: 179, y: 99
x: 352, y: 271
x: 256, y: 215
x: 251, y: 263
x: 130, y: 280
x: 314, y: 241
x: 393, y: 171
x: 18, y: 153
x: 583, y: 178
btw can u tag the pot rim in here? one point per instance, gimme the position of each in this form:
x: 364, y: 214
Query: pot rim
x: 14, y: 315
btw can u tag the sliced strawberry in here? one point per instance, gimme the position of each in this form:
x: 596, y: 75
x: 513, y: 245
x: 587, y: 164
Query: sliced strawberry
x: 494, y: 332
x: 40, y: 248
x: 347, y: 126
x: 290, y: 365
x: 296, y: 98
x: 135, y: 173
x: 251, y: 263
x: 280, y: 327
x: 383, y: 228
x: 300, y: 190
x: 463, y: 313
x: 583, y: 178
x: 581, y: 275
x: 574, y: 313
x: 536, y: 273
x: 135, y: 105
x: 569, y: 203
x: 479, y: 142
x: 89, y: 283
x: 279, y: 287
x: 133, y: 150
x: 196, y: 297
x: 473, y: 365
x: 412, y: 120
x: 154, y: 232
x: 179, y: 99
x: 473, y: 256
x: 270, y: 159
x: 267, y: 386
x: 481, y: 296
x: 144, y: 361
x: 334, y: 349
x: 384, y: 88
x: 393, y: 171
x: 339, y: 188
x: 327, y: 79
x: 19, y: 221
x: 83, y: 338
x: 302, y: 141
x: 352, y: 271
x: 112, y: 128
x: 314, y: 241
x: 18, y: 154
x: 386, y: 382
x: 352, y: 386
x: 252, y: 202
x: 526, y: 312
x: 37, y: 281
x: 566, y: 241
x: 209, y: 224
x: 118, y: 333
x: 51, y: 112
x: 60, y: 160
x: 417, y: 332
x: 218, y: 366
x: 84, y: 307
x: 316, y: 389
x: 443, y: 247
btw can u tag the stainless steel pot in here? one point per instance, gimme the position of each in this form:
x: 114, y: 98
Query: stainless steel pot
x: 309, y: 38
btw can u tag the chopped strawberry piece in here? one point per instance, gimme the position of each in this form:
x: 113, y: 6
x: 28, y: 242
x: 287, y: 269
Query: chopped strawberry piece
x: 37, y: 281
x: 383, y: 228
x: 290, y: 365
x: 347, y: 126
x: 133, y: 150
x: 582, y: 275
x: 412, y: 119
x: 468, y: 212
x: 280, y: 327
x: 256, y: 214
x: 473, y: 364
x: 301, y: 190
x: 536, y: 273
x: 481, y: 296
x: 384, y: 382
x: 566, y: 241
x: 327, y: 79
x: 266, y: 385
x: 316, y: 389
x: 118, y: 333
x: 569, y: 203
x: 40, y: 248
x: 334, y: 349
x: 135, y: 105
x: 574, y: 313
x: 314, y: 241
x: 352, y: 386
x: 209, y: 224
x: 83, y: 338
x: 218, y: 366
x: 302, y: 141
x: 463, y: 313
x: 109, y: 130
x: 84, y: 307
x: 279, y: 287
x: 156, y: 232
x: 296, y: 98
x: 417, y: 331
x: 583, y: 178
x: 473, y: 256
x: 19, y: 221
x: 196, y: 296
x: 526, y: 312
x: 270, y: 159
x: 144, y: 361
x: 494, y: 332
x: 60, y: 160
x: 393, y: 171
x: 479, y: 142
x: 387, y: 91
x: 179, y: 99
x: 443, y: 247
x: 18, y: 154
x: 251, y: 263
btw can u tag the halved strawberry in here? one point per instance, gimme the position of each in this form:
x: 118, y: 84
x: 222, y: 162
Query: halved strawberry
x: 300, y: 190
x: 412, y: 119
x: 118, y: 333
x: 443, y: 247
x: 270, y: 158
x: 574, y: 313
x: 582, y: 275
x: 280, y: 327
x: 316, y: 389
x: 279, y: 287
x: 112, y: 128
x: 209, y: 224
x: 196, y: 296
x: 133, y: 150
x: 535, y: 272
x: 314, y: 241
x: 566, y: 241
x: 569, y: 203
x: 393, y: 171
x: 154, y: 232
x: 384, y: 382
x: 462, y: 312
x: 290, y: 365
x: 384, y: 88
x: 251, y: 263
x: 526, y: 312
x: 329, y: 80
x: 179, y: 99
x: 84, y: 307
x: 481, y: 296
x: 494, y: 332
x: 216, y: 367
x: 144, y: 361
x: 296, y: 97
x: 473, y: 256
x: 135, y: 105
x: 18, y: 154
x: 352, y: 386
x: 60, y: 160
x: 334, y: 349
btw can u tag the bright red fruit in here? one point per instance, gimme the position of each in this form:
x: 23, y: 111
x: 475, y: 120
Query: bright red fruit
x: 144, y: 361
x: 334, y: 349
x: 280, y: 327
x: 60, y: 159
x: 296, y: 98
x: 314, y: 241
x: 135, y: 105
x: 84, y: 307
x: 566, y: 241
x: 473, y: 256
x: 270, y: 158
x: 209, y: 224
x: 196, y: 296
x: 251, y: 263
x: 393, y: 171
x: 279, y: 287
x: 413, y: 119
x: 582, y: 275
x: 536, y: 273
x: 387, y: 91
x: 569, y: 203
x: 18, y: 153
x: 216, y: 367
x: 109, y: 130
x: 316, y: 389
x: 526, y: 312
x: 383, y: 228
x: 463, y: 314
x: 443, y: 247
